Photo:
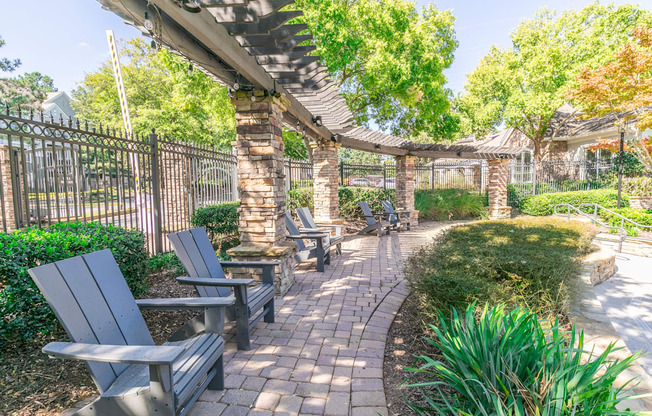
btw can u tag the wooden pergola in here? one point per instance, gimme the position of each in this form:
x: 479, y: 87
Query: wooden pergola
x: 248, y: 46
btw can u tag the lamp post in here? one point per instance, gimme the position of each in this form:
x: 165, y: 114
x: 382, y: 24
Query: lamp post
x: 621, y: 130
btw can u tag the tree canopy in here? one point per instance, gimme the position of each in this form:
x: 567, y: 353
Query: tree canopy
x: 522, y: 86
x: 162, y: 93
x: 622, y: 86
x: 6, y: 64
x: 388, y: 59
x: 27, y: 90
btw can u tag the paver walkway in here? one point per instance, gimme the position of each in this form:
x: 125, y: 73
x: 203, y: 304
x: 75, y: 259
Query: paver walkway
x: 627, y: 301
x: 324, y: 353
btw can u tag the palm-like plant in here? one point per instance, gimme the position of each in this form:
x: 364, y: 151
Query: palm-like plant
x: 509, y: 363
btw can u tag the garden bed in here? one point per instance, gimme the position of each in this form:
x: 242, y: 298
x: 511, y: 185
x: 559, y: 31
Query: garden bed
x: 531, y: 262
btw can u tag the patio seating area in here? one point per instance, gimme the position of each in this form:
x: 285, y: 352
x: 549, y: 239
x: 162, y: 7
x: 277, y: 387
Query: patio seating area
x: 323, y: 355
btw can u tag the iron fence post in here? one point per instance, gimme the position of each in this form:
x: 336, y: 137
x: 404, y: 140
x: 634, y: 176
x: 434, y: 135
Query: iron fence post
x: 342, y: 173
x: 156, y: 191
x: 384, y: 176
x: 533, y: 166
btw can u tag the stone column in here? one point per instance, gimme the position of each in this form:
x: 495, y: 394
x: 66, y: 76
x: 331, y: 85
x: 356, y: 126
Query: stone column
x: 326, y: 182
x: 498, y: 177
x: 405, y: 187
x: 9, y: 219
x: 261, y: 186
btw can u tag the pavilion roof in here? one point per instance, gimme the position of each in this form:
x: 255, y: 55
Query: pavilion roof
x: 250, y: 42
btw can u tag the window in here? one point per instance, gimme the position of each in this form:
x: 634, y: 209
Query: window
x: 522, y: 168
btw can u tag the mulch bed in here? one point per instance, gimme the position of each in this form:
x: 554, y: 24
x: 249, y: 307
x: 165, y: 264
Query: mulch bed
x: 404, y: 341
x: 31, y: 383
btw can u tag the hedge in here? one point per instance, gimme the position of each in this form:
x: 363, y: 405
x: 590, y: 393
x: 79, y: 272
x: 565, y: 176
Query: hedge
x: 448, y: 204
x: 641, y: 216
x: 350, y: 197
x: 544, y: 204
x: 25, y: 313
x: 221, y: 223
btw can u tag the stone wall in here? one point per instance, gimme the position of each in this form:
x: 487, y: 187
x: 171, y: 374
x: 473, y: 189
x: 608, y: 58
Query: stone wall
x: 405, y: 187
x: 9, y: 219
x: 640, y: 202
x: 498, y: 179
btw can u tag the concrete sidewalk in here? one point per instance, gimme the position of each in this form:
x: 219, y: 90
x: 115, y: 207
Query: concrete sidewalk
x: 627, y: 300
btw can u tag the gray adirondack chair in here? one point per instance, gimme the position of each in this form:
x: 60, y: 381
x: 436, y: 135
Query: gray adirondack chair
x: 206, y: 273
x: 396, y: 218
x: 375, y: 222
x: 309, y: 226
x: 135, y: 377
x: 319, y: 248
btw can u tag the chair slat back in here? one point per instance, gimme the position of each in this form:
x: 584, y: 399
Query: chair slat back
x: 389, y: 209
x: 91, y: 299
x: 293, y: 230
x: 364, y: 206
x: 194, y: 249
x: 305, y: 216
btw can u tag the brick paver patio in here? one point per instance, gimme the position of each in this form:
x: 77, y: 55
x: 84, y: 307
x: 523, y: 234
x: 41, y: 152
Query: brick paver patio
x: 324, y: 353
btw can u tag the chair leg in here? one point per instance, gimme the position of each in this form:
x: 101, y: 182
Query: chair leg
x: 327, y: 258
x: 218, y: 380
x: 242, y: 327
x: 269, y: 316
x: 338, y: 249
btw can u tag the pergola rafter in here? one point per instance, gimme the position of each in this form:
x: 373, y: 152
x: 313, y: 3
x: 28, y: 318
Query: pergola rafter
x: 251, y: 41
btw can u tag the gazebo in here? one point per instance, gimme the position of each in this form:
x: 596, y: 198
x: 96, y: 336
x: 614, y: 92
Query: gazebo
x: 248, y: 46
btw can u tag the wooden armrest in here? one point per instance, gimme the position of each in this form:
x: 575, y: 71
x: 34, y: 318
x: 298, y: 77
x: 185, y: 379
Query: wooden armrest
x: 185, y: 303
x: 126, y: 354
x: 254, y: 264
x: 307, y: 236
x: 207, y: 281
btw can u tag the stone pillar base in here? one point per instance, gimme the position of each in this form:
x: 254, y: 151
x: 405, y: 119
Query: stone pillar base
x: 331, y: 221
x: 284, y: 273
x: 414, y: 218
x: 499, y: 213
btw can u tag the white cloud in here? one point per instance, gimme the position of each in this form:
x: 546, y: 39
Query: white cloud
x: 83, y: 45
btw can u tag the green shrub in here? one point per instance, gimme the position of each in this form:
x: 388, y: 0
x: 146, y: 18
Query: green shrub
x: 639, y: 186
x: 529, y: 262
x: 165, y: 262
x: 447, y: 204
x: 349, y: 196
x: 221, y: 223
x: 516, y: 192
x: 25, y: 313
x: 641, y: 216
x: 507, y: 363
x: 544, y: 204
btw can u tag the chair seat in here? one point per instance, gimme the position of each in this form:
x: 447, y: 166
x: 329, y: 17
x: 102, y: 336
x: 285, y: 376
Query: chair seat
x: 189, y: 371
x: 258, y: 296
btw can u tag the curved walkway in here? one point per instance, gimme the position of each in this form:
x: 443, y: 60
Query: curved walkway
x: 324, y: 353
x: 627, y: 300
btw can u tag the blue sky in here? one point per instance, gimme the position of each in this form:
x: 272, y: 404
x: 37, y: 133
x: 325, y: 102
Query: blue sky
x: 66, y: 39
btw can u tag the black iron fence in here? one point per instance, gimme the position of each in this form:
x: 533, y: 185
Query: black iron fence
x: 62, y: 171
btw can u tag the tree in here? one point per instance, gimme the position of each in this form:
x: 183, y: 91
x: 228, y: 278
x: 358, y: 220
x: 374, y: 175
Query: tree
x: 27, y: 90
x: 162, y: 94
x: 388, y: 60
x: 622, y: 86
x: 8, y: 65
x: 522, y: 86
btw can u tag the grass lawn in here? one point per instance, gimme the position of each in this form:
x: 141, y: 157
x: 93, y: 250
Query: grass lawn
x: 527, y: 262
